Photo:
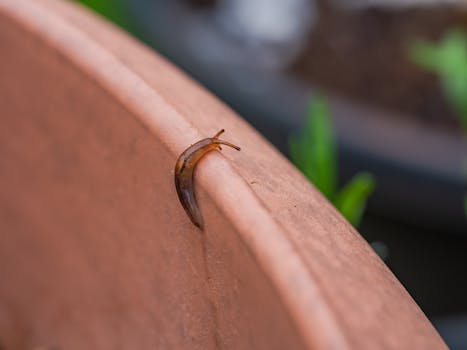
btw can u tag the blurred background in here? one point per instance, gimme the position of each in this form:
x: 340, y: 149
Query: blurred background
x: 367, y: 98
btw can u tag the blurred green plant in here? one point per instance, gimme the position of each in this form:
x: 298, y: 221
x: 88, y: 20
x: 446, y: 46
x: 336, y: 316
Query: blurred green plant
x: 448, y: 60
x: 313, y: 151
x: 111, y: 9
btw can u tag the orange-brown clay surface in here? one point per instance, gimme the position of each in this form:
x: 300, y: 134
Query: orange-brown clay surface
x: 96, y: 251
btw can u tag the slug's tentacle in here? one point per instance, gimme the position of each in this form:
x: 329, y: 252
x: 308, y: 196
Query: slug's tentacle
x: 186, y: 194
x: 216, y: 140
x: 219, y: 142
x: 184, y: 169
x: 218, y: 134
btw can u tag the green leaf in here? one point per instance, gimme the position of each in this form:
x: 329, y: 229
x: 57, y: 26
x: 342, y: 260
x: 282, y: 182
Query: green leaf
x: 111, y: 9
x: 452, y: 53
x: 351, y: 200
x: 448, y: 59
x: 424, y: 54
x: 314, y: 150
x: 455, y: 91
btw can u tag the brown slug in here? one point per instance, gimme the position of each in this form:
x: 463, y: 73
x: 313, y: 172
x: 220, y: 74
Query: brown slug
x: 184, y: 174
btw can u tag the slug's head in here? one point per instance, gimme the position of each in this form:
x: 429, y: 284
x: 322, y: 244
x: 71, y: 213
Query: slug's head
x: 216, y: 141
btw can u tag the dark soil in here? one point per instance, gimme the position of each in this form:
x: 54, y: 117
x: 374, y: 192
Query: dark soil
x: 363, y: 54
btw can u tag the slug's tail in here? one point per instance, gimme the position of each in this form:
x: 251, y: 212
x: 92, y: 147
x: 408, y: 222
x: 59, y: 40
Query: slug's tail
x: 185, y: 191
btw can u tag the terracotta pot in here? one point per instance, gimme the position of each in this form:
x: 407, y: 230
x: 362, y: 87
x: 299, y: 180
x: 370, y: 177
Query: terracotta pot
x: 96, y: 251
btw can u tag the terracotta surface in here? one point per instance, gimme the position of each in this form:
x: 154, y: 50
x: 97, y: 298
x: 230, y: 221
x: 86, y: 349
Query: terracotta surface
x: 96, y: 252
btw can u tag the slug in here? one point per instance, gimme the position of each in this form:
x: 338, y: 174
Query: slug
x: 184, y: 174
